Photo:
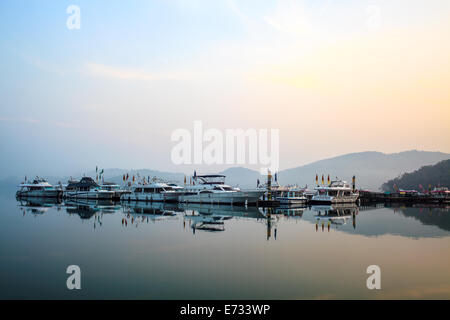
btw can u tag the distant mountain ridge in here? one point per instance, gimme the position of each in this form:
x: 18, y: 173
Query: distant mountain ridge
x: 371, y: 168
x: 433, y: 175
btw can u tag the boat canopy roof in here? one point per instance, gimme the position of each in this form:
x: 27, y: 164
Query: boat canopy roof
x: 210, y: 176
x: 84, y: 182
x: 210, y: 179
x: 152, y: 185
x: 38, y: 182
x: 336, y: 184
x: 109, y: 184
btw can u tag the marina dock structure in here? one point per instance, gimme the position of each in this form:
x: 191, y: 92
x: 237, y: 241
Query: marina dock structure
x: 367, y: 197
x: 211, y: 189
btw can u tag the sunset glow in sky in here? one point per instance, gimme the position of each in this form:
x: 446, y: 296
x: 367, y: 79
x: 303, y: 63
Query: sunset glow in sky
x: 333, y: 76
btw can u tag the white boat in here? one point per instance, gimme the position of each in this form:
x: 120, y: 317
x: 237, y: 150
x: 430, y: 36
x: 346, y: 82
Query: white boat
x: 38, y: 188
x: 338, y: 191
x: 213, y: 190
x: 293, y: 195
x: 156, y: 191
x: 86, y: 188
x: 111, y: 186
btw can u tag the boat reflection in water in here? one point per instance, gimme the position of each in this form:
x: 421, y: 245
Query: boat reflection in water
x: 212, y: 217
x: 373, y: 220
x: 86, y: 209
x: 148, y: 211
x: 208, y: 217
x: 293, y: 211
x: 336, y: 214
x: 38, y: 206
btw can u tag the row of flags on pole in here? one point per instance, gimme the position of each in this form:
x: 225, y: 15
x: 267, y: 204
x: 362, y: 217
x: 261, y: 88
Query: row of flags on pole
x: 323, y: 179
x: 191, y: 180
x: 99, y: 175
x: 135, y: 178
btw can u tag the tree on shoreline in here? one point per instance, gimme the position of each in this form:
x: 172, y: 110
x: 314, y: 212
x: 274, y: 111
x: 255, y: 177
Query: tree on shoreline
x: 422, y: 179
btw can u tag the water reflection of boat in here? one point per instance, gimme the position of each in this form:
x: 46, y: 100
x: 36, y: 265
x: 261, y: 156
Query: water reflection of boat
x: 224, y: 210
x: 292, y: 211
x: 152, y: 210
x: 87, y: 208
x: 211, y: 223
x: 38, y: 205
x: 211, y: 217
x: 337, y: 214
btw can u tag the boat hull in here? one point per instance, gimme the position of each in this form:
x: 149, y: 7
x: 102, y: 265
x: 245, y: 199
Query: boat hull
x: 291, y: 200
x: 240, y: 197
x: 91, y: 195
x: 150, y: 197
x: 39, y: 194
x: 325, y: 199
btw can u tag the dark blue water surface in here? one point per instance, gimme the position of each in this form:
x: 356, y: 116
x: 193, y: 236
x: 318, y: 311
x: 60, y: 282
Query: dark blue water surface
x: 163, y: 251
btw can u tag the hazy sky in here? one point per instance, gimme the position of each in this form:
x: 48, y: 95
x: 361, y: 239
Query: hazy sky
x: 333, y: 76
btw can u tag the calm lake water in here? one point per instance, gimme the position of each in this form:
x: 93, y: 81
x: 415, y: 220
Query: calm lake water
x: 204, y: 252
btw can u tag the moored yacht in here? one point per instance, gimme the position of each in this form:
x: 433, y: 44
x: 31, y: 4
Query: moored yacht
x: 38, y: 188
x: 86, y: 188
x: 293, y: 195
x: 212, y: 189
x: 338, y: 191
x: 155, y: 191
x: 118, y: 191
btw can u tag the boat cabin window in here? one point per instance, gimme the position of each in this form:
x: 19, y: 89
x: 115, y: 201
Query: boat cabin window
x: 153, y: 190
x: 138, y: 190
